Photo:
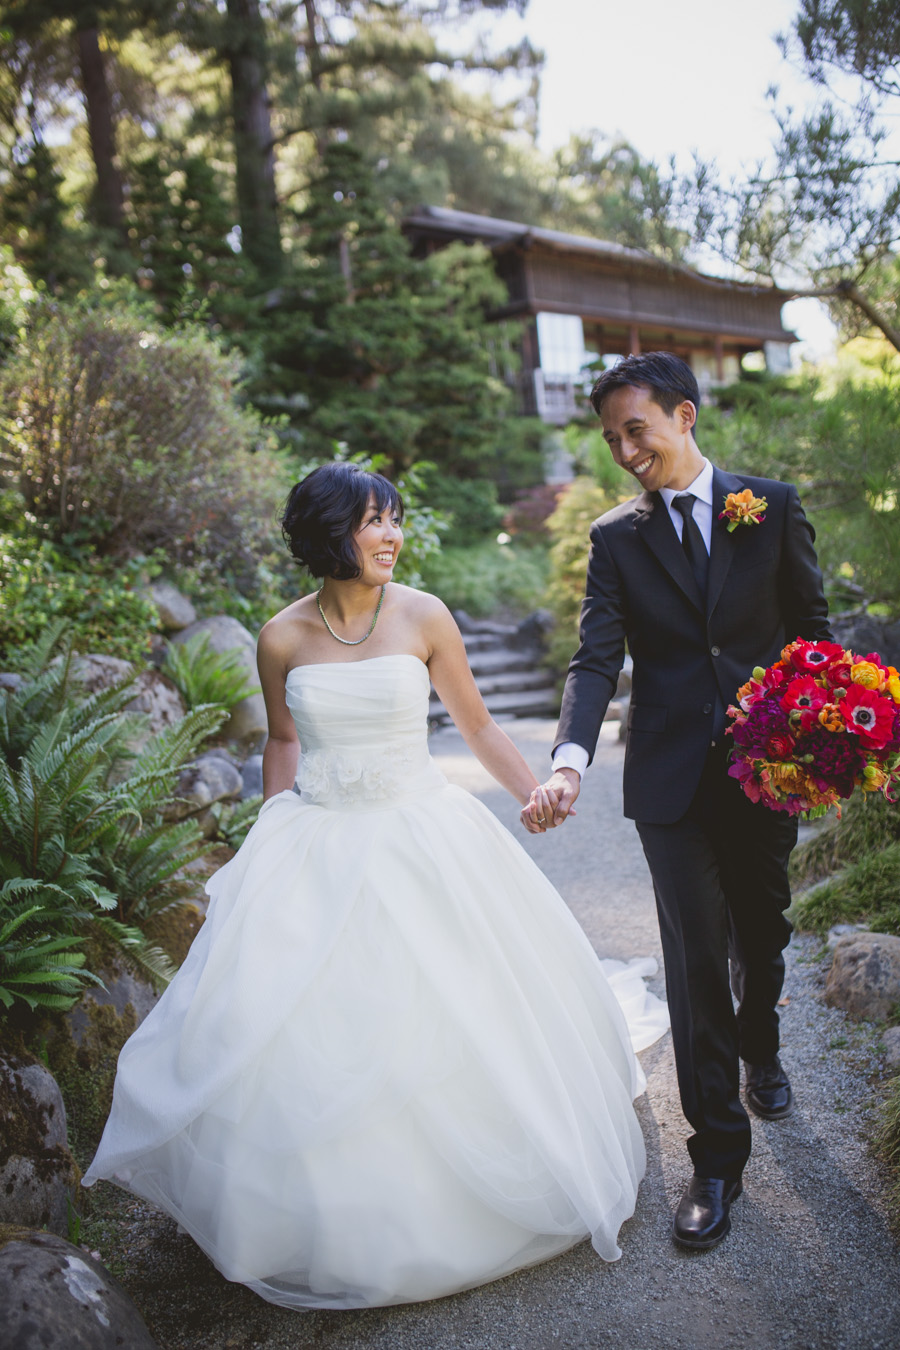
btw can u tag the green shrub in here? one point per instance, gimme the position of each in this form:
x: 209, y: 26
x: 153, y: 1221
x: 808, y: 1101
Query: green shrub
x: 203, y: 676
x: 469, y: 505
x: 488, y: 578
x: 130, y: 438
x: 868, y: 889
x: 840, y: 447
x: 569, y: 526
x: 83, y: 829
x: 42, y: 583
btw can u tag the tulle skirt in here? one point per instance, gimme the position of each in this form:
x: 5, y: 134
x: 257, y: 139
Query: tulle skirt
x: 391, y: 1066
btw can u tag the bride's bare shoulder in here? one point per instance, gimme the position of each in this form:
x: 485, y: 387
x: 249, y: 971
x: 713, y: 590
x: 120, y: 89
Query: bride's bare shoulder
x: 284, y: 628
x: 422, y: 608
x: 420, y: 604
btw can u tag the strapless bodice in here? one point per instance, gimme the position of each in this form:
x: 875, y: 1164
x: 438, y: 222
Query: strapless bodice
x: 363, y: 729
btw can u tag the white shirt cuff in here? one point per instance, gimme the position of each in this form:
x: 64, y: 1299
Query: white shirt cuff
x: 571, y: 756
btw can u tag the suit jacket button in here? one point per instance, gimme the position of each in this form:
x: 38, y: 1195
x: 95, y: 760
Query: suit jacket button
x: 715, y: 650
x: 707, y: 707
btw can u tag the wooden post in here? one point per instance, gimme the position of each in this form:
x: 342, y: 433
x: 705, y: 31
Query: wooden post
x: 720, y: 359
x: 634, y: 340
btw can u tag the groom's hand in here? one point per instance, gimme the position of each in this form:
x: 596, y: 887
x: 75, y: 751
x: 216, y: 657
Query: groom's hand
x: 551, y: 802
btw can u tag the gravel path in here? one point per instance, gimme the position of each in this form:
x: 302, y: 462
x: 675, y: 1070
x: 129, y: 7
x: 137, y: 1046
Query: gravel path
x: 810, y: 1263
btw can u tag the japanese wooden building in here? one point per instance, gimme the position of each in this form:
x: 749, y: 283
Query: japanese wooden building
x: 581, y: 298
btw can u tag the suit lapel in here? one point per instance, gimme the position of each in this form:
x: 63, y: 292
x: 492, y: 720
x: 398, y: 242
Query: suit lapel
x: 723, y: 543
x: 654, y: 525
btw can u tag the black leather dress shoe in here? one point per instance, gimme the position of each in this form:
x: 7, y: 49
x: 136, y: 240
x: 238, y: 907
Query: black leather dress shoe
x: 703, y: 1218
x: 769, y: 1090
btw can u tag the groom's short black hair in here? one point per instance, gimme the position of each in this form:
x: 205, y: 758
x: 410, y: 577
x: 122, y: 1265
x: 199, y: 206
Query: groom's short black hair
x: 669, y: 379
x: 324, y: 511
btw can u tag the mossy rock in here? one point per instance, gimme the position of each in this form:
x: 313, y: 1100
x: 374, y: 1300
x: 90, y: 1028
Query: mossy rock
x: 175, y: 929
x: 38, y: 1173
x: 85, y: 1068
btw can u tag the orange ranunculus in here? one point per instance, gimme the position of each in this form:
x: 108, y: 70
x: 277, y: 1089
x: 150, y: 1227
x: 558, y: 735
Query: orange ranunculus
x: 787, y: 777
x: 867, y: 674
x: 742, y: 508
x: 830, y: 718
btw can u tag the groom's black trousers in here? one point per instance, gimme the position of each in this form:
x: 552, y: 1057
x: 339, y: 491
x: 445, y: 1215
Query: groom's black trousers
x: 720, y: 877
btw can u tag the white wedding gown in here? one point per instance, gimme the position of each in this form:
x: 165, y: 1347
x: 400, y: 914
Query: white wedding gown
x: 391, y: 1066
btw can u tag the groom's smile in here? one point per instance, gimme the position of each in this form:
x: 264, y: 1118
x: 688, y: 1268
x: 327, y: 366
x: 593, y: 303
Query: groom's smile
x: 655, y: 447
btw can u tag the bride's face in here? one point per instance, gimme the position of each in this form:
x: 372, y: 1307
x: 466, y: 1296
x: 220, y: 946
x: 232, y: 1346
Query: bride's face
x: 378, y: 542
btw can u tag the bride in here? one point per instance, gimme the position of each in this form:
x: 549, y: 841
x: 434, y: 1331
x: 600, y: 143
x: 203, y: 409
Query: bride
x: 391, y: 1066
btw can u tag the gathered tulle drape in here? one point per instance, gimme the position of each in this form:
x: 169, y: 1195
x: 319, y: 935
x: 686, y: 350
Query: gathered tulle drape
x: 391, y: 1066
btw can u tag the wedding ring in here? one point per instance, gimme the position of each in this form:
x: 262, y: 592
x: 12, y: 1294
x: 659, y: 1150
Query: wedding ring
x: 540, y: 820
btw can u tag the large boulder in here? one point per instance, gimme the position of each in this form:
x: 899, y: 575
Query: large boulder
x: 864, y: 633
x: 54, y: 1296
x: 155, y: 695
x: 212, y: 777
x: 175, y: 610
x: 128, y: 994
x: 865, y: 975
x: 891, y: 1041
x: 247, y: 724
x: 37, y: 1171
x: 252, y: 777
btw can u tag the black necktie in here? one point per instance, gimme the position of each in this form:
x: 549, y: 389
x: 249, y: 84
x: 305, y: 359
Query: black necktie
x: 692, y: 539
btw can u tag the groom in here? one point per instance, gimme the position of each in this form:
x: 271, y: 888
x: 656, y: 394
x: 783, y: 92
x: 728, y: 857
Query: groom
x: 698, y: 607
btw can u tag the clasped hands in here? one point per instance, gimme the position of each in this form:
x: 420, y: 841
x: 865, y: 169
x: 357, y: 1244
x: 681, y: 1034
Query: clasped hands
x: 551, y: 802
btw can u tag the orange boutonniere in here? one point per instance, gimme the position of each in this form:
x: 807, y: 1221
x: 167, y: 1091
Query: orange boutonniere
x: 742, y: 508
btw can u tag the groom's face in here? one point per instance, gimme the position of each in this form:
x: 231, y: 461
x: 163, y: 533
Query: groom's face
x: 656, y: 448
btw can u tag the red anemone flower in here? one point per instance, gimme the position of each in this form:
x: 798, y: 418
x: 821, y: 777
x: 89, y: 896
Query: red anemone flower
x: 869, y: 715
x: 812, y: 657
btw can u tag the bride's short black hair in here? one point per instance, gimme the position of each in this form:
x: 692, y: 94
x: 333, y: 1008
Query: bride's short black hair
x: 325, y: 509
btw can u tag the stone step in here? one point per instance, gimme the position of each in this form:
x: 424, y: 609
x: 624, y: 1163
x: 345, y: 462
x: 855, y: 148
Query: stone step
x: 491, y: 662
x: 483, y: 627
x: 484, y: 642
x: 527, y: 703
x: 508, y: 681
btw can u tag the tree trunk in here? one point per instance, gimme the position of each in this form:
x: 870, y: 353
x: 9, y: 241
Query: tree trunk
x: 101, y: 130
x: 253, y: 146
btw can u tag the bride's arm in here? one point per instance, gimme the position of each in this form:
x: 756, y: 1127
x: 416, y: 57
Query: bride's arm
x: 282, y: 748
x: 448, y: 666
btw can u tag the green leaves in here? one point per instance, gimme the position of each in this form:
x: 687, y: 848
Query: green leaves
x: 85, y: 844
x: 42, y: 969
x: 204, y: 676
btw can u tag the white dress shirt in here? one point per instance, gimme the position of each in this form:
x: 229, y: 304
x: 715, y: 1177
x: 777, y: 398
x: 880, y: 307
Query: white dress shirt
x: 570, y: 755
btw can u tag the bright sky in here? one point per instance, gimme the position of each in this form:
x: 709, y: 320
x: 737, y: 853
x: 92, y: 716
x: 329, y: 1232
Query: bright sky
x: 671, y: 77
x: 674, y: 77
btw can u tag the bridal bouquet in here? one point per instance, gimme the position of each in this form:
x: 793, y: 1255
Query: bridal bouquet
x: 814, y: 726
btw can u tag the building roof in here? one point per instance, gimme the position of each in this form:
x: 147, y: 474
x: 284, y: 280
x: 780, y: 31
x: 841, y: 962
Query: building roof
x: 588, y: 277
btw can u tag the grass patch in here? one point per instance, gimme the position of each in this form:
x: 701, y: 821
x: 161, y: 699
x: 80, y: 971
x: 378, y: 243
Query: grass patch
x: 487, y: 578
x: 868, y: 825
x: 887, y: 1143
x: 868, y: 889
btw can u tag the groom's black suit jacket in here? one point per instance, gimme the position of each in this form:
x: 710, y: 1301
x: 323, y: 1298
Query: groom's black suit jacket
x: 765, y: 589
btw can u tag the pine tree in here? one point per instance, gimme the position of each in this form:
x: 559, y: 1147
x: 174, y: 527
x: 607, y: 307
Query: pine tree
x: 375, y: 349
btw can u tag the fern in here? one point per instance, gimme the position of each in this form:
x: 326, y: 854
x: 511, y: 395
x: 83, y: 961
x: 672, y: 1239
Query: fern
x: 236, y: 819
x: 204, y: 676
x: 43, y: 969
x: 86, y: 841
